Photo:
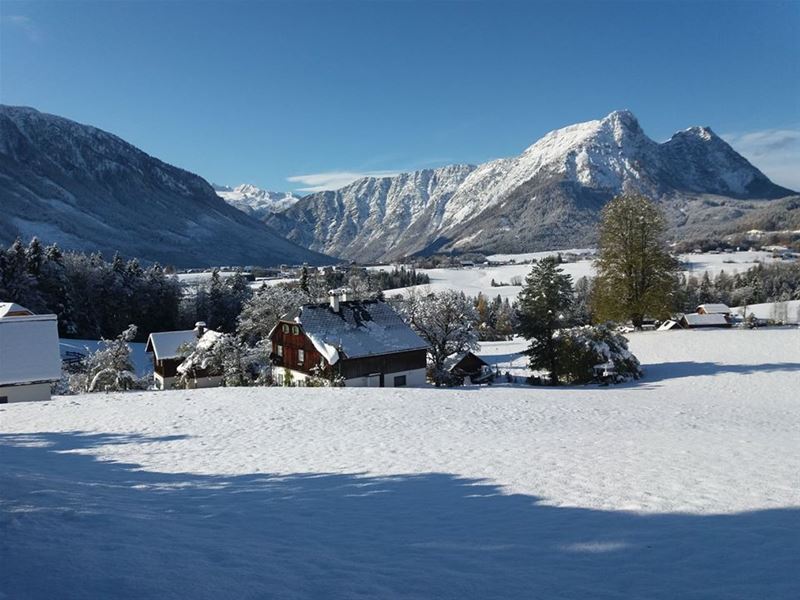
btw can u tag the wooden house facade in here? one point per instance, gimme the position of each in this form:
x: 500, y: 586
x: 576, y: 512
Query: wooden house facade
x: 365, y: 343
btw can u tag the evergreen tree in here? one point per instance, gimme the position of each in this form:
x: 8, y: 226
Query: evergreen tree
x: 545, y: 306
x: 636, y: 276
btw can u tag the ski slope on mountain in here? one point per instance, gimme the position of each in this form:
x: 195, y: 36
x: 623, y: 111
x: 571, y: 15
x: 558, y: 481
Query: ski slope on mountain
x: 685, y: 484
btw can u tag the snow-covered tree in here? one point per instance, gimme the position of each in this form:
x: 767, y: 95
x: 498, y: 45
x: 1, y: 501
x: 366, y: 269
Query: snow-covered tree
x: 581, y: 349
x: 545, y: 306
x: 445, y: 320
x: 262, y: 311
x: 109, y: 368
x: 222, y: 355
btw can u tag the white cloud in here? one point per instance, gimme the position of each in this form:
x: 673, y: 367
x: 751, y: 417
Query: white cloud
x: 24, y: 24
x: 775, y: 151
x: 333, y: 180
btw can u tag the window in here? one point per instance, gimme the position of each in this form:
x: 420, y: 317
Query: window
x: 295, y: 330
x: 280, y: 350
x: 400, y: 381
x: 301, y: 356
x: 285, y: 328
x: 3, y: 399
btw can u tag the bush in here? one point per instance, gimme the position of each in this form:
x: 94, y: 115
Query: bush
x: 580, y: 349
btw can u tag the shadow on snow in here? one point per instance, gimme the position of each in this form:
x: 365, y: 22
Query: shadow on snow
x: 75, y: 527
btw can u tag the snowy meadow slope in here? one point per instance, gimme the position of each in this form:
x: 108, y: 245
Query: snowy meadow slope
x: 479, y: 278
x: 683, y: 485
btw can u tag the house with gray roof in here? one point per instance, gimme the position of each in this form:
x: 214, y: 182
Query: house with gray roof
x: 29, y: 358
x: 167, y: 350
x: 363, y: 342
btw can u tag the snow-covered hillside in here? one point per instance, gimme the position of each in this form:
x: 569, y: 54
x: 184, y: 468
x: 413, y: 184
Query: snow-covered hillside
x: 479, y: 279
x: 683, y: 485
x: 88, y: 190
x: 547, y: 197
x: 255, y: 201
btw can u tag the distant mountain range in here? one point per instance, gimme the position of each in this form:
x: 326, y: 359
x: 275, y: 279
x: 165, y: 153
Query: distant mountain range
x: 255, y: 201
x: 89, y: 190
x: 548, y: 197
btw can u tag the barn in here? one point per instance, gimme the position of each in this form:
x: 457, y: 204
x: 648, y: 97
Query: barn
x: 30, y: 361
x: 363, y: 342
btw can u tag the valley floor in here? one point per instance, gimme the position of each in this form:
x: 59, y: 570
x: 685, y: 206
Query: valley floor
x: 683, y: 485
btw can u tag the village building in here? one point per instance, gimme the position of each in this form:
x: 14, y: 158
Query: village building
x: 166, y: 348
x: 469, y: 364
x: 713, y: 309
x: 697, y: 321
x: 365, y: 343
x: 30, y: 361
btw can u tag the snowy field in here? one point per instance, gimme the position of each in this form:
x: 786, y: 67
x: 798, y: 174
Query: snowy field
x: 785, y: 312
x: 683, y: 485
x: 479, y: 278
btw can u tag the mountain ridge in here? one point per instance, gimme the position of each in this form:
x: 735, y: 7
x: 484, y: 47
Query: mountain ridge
x: 90, y: 190
x: 549, y: 194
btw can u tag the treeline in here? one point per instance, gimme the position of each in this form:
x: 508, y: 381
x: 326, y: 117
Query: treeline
x: 95, y: 298
x: 777, y: 282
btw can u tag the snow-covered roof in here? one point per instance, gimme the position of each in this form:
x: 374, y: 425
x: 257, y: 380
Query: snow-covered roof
x: 12, y: 309
x: 669, y: 324
x: 29, y: 348
x: 711, y: 309
x: 359, y: 329
x: 712, y: 320
x: 165, y: 344
x: 454, y: 359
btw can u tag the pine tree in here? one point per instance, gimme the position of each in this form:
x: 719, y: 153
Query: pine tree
x: 545, y: 305
x: 636, y: 276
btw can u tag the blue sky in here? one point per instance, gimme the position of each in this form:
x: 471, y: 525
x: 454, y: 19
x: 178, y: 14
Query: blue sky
x: 299, y: 95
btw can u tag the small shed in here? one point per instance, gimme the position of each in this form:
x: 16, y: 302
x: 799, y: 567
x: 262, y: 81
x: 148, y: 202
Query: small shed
x: 467, y: 363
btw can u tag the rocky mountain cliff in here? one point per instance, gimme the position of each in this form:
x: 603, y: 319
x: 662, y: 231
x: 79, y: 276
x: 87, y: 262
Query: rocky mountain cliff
x: 550, y: 196
x: 89, y: 190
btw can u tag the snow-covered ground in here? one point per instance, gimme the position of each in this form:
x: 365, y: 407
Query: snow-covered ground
x: 683, y: 485
x: 784, y: 312
x: 479, y: 278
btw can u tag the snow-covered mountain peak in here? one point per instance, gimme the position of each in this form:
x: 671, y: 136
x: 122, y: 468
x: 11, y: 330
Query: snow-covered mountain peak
x: 255, y: 201
x: 549, y: 194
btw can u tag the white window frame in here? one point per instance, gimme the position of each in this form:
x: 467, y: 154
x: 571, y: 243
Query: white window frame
x: 279, y: 350
x: 301, y: 356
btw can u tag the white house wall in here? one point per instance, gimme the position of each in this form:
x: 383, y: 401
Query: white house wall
x: 167, y: 383
x: 414, y: 378
x: 29, y: 350
x: 25, y: 393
